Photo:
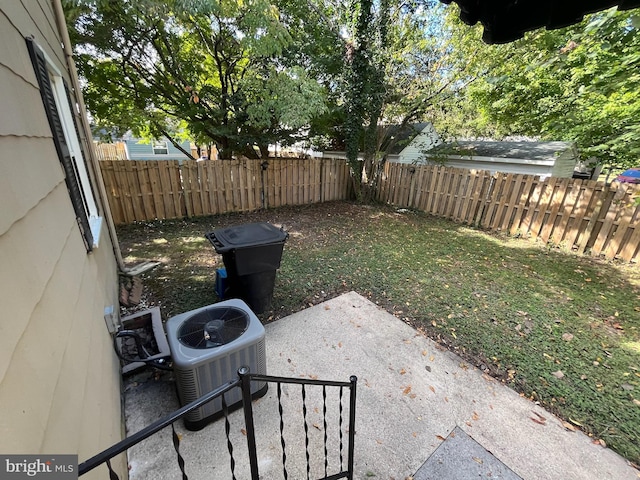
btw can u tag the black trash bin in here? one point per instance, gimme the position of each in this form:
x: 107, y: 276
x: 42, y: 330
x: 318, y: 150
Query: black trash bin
x: 251, y: 254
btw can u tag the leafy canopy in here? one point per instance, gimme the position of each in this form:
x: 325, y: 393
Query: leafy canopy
x: 212, y: 68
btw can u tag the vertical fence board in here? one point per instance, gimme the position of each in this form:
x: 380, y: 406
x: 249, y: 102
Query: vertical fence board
x: 630, y: 250
x: 608, y: 221
x: 626, y: 219
x: 557, y: 199
x: 589, y: 222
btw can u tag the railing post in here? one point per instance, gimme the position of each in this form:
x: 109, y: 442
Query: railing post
x: 245, y: 378
x: 352, y: 424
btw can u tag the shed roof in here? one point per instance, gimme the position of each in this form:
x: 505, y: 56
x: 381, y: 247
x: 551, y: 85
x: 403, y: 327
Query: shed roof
x: 524, y: 150
x: 506, y: 20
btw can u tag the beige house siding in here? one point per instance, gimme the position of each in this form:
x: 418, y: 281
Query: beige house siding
x: 59, y: 377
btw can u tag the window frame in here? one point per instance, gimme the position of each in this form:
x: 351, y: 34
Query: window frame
x: 60, y: 109
x: 160, y: 145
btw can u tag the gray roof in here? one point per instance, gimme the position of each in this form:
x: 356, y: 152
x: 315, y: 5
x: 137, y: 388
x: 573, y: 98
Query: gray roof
x: 526, y: 150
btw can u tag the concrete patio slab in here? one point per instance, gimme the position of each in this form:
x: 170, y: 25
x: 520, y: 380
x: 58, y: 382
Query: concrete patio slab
x: 411, y: 395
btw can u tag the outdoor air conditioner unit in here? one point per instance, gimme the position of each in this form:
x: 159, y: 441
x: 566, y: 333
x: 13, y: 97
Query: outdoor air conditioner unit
x: 208, y: 346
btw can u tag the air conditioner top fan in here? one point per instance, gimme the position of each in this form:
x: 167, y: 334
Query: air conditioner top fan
x: 213, y: 327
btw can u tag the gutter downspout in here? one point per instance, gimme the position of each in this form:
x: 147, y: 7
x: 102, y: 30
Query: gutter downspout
x: 95, y: 168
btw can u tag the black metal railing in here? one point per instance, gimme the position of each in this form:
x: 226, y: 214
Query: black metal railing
x: 345, y: 468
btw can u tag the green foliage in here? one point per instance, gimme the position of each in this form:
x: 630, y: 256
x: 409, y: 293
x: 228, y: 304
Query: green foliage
x: 214, y: 68
x: 394, y: 74
x: 581, y: 84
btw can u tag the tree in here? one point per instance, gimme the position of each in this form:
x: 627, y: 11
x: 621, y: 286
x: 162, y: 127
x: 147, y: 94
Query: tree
x: 580, y: 84
x: 396, y: 73
x: 213, y: 69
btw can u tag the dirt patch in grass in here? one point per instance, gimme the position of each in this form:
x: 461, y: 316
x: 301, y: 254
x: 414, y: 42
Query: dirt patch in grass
x: 561, y: 329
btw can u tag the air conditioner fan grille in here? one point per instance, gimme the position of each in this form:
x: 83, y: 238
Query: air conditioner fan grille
x: 213, y: 327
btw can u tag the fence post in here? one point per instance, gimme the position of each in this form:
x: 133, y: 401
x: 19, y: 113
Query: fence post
x: 245, y: 378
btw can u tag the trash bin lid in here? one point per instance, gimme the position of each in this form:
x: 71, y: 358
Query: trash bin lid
x: 245, y: 235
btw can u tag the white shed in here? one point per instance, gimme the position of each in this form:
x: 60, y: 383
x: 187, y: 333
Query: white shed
x: 546, y: 159
x: 426, y: 139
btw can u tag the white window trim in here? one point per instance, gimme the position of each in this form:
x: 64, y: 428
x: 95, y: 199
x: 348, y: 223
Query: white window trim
x: 160, y: 145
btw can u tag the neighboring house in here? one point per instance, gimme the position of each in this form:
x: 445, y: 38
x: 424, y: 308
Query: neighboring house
x: 557, y: 159
x: 59, y: 377
x: 162, y: 149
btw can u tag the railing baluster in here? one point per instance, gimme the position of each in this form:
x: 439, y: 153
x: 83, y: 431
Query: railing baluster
x: 306, y: 430
x: 245, y: 378
x: 112, y: 475
x: 282, y: 442
x: 340, y: 427
x: 227, y: 429
x: 176, y: 446
x: 352, y: 424
x: 324, y: 419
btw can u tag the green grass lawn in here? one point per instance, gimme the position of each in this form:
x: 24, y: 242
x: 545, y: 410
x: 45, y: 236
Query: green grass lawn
x: 561, y: 329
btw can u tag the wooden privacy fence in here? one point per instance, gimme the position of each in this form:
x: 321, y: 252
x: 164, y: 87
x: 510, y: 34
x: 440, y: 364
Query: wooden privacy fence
x: 163, y: 189
x: 582, y: 215
x: 110, y: 151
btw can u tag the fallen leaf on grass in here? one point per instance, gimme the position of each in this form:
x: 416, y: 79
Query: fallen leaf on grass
x: 626, y: 386
x: 575, y: 422
x: 559, y: 375
x: 636, y: 402
x: 601, y: 442
x: 567, y: 337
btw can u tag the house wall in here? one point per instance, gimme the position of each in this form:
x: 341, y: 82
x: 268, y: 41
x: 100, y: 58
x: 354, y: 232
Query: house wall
x: 59, y: 377
x: 138, y: 150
